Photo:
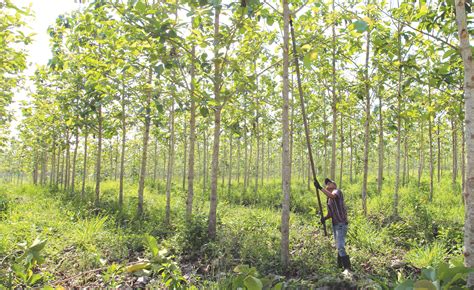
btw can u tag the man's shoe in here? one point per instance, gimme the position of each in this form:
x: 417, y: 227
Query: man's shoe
x: 346, y: 262
x: 339, y: 261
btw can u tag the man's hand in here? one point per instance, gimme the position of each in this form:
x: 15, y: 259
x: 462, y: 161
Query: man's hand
x: 317, y: 185
x: 323, y: 219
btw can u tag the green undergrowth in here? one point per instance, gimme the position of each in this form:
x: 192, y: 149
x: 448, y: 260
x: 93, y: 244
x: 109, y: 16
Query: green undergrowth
x: 93, y: 245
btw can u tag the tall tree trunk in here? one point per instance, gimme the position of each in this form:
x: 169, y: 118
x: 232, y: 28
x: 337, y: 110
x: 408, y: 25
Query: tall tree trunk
x: 286, y: 173
x: 238, y: 160
x: 185, y: 148
x: 430, y: 137
x: 421, y: 162
x: 367, y: 123
x: 58, y: 165
x: 217, y: 128
x: 351, y: 148
x: 74, y: 159
x: 263, y: 162
x: 342, y: 154
x: 334, y: 99
x: 399, y: 121
x: 455, y: 153
x: 84, y: 169
x: 229, y: 181
x: 380, y: 147
x: 146, y: 135
x: 466, y: 54
x: 122, y: 148
x: 99, y: 157
x: 53, y: 165
x: 439, y: 151
x: 63, y: 166
x: 68, y: 163
x: 257, y: 160
x: 169, y: 174
x: 268, y: 160
x: 246, y: 168
x: 192, y: 140
x: 204, y: 175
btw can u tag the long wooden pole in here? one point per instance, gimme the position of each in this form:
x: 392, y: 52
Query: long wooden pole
x: 305, y: 122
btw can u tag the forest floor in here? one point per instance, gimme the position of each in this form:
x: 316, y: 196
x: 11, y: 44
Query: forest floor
x: 52, y: 238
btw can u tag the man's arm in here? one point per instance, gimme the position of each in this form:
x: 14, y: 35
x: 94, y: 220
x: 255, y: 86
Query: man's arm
x: 329, y: 193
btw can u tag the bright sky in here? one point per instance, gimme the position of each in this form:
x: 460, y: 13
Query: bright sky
x: 45, y: 13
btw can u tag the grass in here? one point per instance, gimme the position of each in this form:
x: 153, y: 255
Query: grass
x: 82, y: 238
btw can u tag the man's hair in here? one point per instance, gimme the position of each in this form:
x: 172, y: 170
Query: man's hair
x: 327, y: 181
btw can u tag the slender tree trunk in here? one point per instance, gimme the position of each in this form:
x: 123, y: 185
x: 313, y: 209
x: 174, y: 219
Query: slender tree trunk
x: 217, y: 129
x: 239, y: 155
x: 204, y: 176
x: 430, y: 137
x: 380, y: 147
x: 68, y: 157
x: 229, y: 181
x: 367, y: 124
x: 342, y: 154
x: 122, y: 149
x: 74, y: 159
x: 263, y: 162
x: 146, y: 135
x: 257, y: 160
x: 455, y: 153
x: 351, y: 148
x: 466, y: 54
x: 439, y: 151
x: 99, y: 157
x: 292, y: 122
x: 399, y: 123
x: 246, y: 169
x: 155, y: 161
x: 268, y: 160
x: 58, y: 165
x: 169, y: 174
x: 185, y: 148
x: 192, y: 140
x: 63, y: 166
x: 84, y: 169
x: 286, y: 173
x: 334, y: 99
x: 53, y: 165
x: 421, y: 154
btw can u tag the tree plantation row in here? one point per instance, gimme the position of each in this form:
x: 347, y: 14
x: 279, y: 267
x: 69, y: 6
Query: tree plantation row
x: 202, y: 96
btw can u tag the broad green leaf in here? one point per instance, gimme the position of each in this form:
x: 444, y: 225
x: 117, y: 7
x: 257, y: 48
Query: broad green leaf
x: 253, y: 283
x: 424, y: 285
x: 137, y: 267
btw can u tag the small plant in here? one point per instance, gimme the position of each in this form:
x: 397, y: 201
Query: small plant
x: 160, y: 263
x: 111, y: 276
x: 444, y: 276
x: 24, y: 267
x: 422, y: 257
x: 247, y: 277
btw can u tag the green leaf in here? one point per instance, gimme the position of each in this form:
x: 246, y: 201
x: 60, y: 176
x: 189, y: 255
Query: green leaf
x: 407, y: 285
x: 361, y: 25
x: 152, y: 245
x: 253, y: 283
x: 34, y: 278
x: 137, y: 267
x: 424, y: 285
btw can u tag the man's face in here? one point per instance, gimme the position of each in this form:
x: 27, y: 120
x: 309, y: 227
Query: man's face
x: 331, y: 186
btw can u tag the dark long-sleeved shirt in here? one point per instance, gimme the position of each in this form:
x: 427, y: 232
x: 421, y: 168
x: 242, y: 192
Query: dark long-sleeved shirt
x: 337, y: 208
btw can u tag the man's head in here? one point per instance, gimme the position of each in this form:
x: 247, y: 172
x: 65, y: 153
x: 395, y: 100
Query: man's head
x: 330, y: 185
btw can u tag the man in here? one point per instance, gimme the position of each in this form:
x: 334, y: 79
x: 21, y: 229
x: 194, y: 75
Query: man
x: 337, y: 212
